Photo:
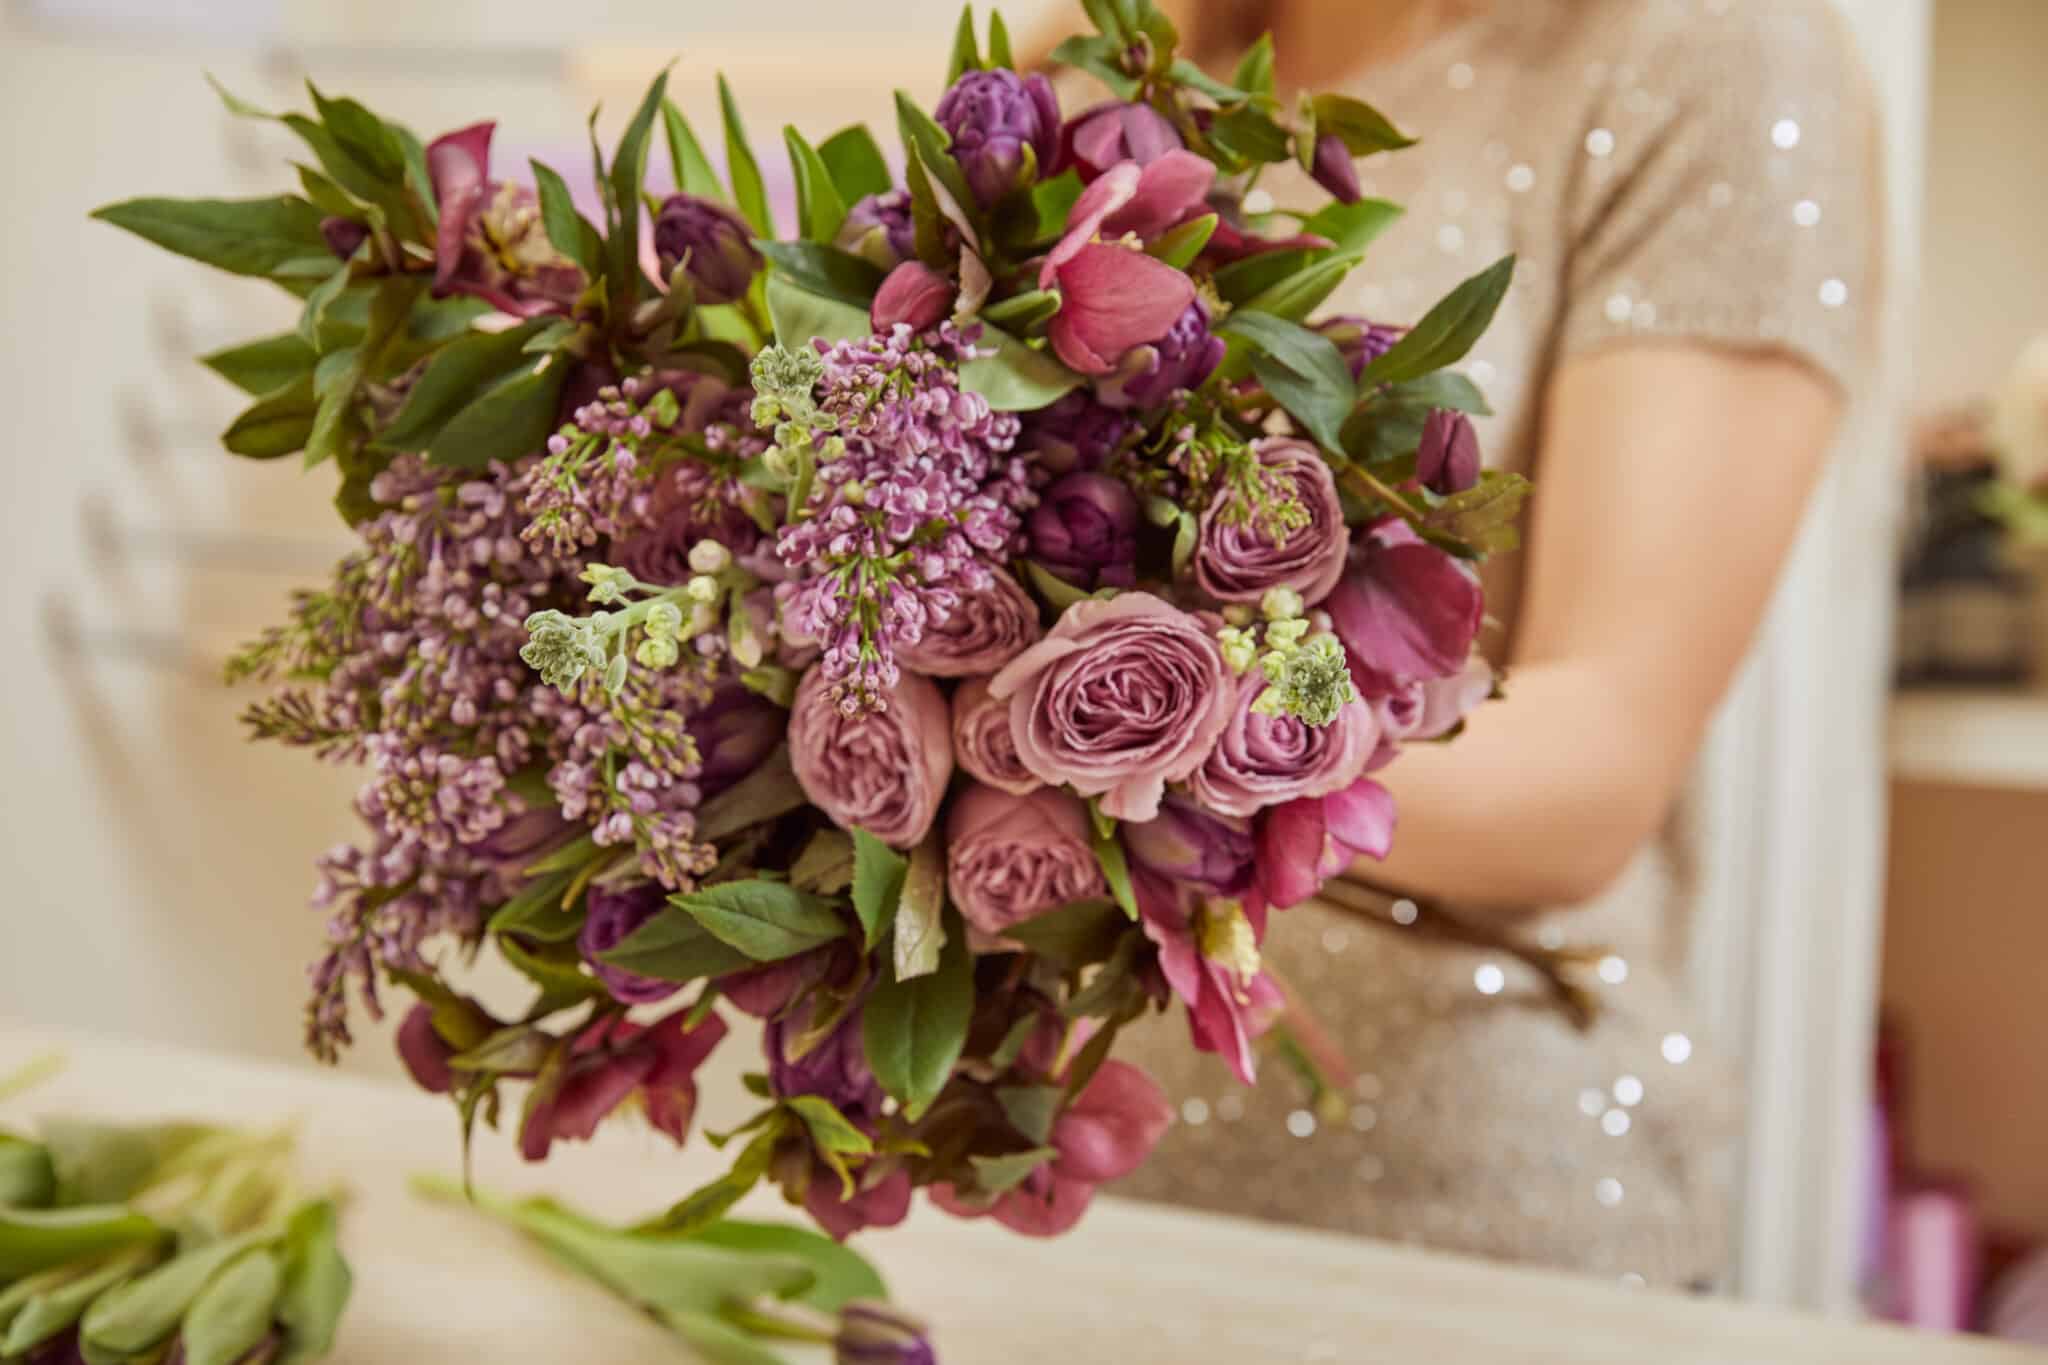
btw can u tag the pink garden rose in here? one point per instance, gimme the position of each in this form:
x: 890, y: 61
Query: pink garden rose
x: 881, y: 771
x: 982, y: 632
x: 1011, y: 857
x: 1263, y: 761
x: 1236, y: 560
x: 1121, y: 698
x: 982, y: 744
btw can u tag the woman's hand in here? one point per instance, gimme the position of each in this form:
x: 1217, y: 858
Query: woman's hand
x: 1671, y: 479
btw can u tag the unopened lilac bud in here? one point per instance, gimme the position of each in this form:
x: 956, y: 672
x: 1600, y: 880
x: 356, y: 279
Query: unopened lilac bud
x: 712, y: 243
x: 1334, y: 170
x: 1447, y: 461
x: 343, y: 235
x: 913, y: 294
x: 992, y: 118
x: 874, y: 1333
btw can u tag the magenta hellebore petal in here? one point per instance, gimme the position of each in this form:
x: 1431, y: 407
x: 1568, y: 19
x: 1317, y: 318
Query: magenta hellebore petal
x: 883, y: 1204
x: 490, y: 241
x: 613, y: 1060
x: 1447, y: 461
x: 1334, y: 170
x: 913, y: 294
x: 1406, y: 610
x: 424, y: 1051
x: 1303, y: 843
x: 1111, y: 299
x: 1112, y: 1125
x: 1226, y: 1010
x: 1098, y: 138
x: 1146, y: 201
x: 1190, y: 846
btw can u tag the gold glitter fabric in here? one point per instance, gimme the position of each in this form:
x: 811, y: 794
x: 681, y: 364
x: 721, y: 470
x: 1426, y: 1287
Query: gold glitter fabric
x: 1675, y: 170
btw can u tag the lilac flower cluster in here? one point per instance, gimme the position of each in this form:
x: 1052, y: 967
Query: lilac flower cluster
x: 908, y: 518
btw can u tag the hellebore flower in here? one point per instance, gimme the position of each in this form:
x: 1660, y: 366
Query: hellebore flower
x: 1146, y: 201
x: 1405, y: 610
x: 1447, y: 461
x: 343, y: 235
x: 1209, y: 955
x: 1334, y: 170
x: 491, y: 242
x: 878, y: 228
x: 913, y: 294
x: 992, y: 118
x: 1111, y: 299
x: 1098, y: 138
x: 614, y: 915
x: 1304, y: 843
x: 883, y: 1204
x: 1358, y: 340
x: 872, y: 1333
x: 1148, y: 375
x: 1085, y: 530
x: 613, y: 1061
x: 713, y: 244
x: 1231, y: 242
x: 1077, y: 432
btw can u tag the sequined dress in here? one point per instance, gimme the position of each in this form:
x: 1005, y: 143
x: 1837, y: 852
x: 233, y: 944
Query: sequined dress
x: 1683, y: 170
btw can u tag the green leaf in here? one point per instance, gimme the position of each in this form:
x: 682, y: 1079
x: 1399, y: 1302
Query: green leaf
x: 569, y: 230
x: 629, y: 172
x: 1483, y: 516
x: 317, y: 1282
x: 919, y: 926
x: 798, y: 315
x: 704, y: 1205
x: 1255, y: 69
x: 141, y: 1314
x: 770, y: 790
x: 1250, y: 134
x: 1352, y: 228
x: 1017, y: 378
x: 1388, y: 425
x: 1193, y: 77
x: 841, y: 1273
x: 824, y: 270
x: 878, y: 874
x: 1031, y: 1109
x: 1447, y: 332
x: 674, y: 946
x: 1302, y: 370
x: 929, y: 143
x: 1180, y: 247
x: 999, y: 43
x: 1098, y: 56
x: 1037, y: 215
x: 260, y: 237
x: 231, y: 1316
x: 45, y: 1310
x: 857, y: 166
x: 536, y: 910
x: 831, y: 1131
x: 451, y: 380
x: 1116, y: 870
x: 913, y: 1031
x: 276, y: 424
x: 554, y: 970
x: 819, y: 208
x: 361, y: 134
x: 692, y: 169
x: 768, y: 921
x: 1073, y: 935
x: 1300, y: 294
x: 1021, y: 312
x: 1058, y: 593
x: 826, y: 865
x: 510, y: 419
x: 1241, y: 281
x: 747, y: 189
x: 1000, y: 1174
x: 966, y: 55
x: 28, y: 1178
x: 262, y: 366
x: 1364, y: 129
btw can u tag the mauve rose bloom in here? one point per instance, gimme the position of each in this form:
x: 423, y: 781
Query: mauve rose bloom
x: 982, y: 632
x: 1190, y: 846
x: 734, y: 731
x: 1263, y: 761
x: 879, y: 229
x: 881, y: 771
x: 1077, y: 432
x: 1236, y: 561
x: 1333, y: 169
x: 715, y: 241
x: 1405, y: 610
x: 982, y: 745
x: 1085, y: 530
x: 1121, y: 698
x: 1447, y: 460
x: 1011, y: 857
x: 613, y: 915
x: 424, y: 1051
x: 1098, y: 138
x: 992, y: 116
x: 913, y: 294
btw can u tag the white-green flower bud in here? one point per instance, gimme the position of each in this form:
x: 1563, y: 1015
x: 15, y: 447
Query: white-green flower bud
x: 708, y: 556
x: 1238, y: 614
x: 664, y: 619
x: 702, y: 588
x: 657, y: 652
x: 1239, y: 648
x: 1281, y: 604
x: 615, y: 675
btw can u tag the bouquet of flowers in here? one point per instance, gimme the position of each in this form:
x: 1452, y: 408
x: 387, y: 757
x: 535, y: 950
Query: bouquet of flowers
x: 944, y: 634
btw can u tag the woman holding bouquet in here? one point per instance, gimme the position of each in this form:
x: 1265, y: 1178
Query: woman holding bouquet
x: 1689, y: 188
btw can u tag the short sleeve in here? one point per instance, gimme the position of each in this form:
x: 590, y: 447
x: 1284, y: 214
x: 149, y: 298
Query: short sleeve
x: 1727, y: 192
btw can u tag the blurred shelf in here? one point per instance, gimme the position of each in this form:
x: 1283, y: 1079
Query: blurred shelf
x: 1980, y: 737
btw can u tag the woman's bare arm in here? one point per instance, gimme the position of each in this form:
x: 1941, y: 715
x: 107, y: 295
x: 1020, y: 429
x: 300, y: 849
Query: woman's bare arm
x: 1671, y: 482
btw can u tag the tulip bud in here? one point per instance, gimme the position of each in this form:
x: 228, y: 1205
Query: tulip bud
x: 1360, y: 342
x: 1085, y: 529
x: 914, y: 294
x: 992, y: 118
x: 878, y: 228
x: 1447, y: 461
x: 424, y: 1052
x: 343, y: 235
x: 872, y: 1333
x: 1334, y: 170
x: 712, y: 243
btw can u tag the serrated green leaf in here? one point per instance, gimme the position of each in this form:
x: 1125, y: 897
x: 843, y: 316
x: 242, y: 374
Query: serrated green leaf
x: 262, y: 366
x: 856, y: 164
x: 509, y: 420
x: 675, y: 946
x: 878, y: 876
x: 242, y: 236
x: 913, y: 1031
x: 767, y: 921
x: 1447, y: 332
x: 747, y: 189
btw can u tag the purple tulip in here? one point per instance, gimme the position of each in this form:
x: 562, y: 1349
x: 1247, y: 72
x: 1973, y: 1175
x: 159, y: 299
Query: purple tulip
x: 1098, y: 138
x: 1149, y: 375
x: 612, y: 918
x: 873, y: 1333
x: 1334, y: 170
x: 1192, y: 847
x: 834, y: 1068
x: 1359, y: 340
x: 734, y: 732
x: 1405, y: 610
x: 1447, y: 461
x: 1077, y: 432
x: 992, y: 117
x: 1085, y: 530
x: 878, y: 228
x: 914, y: 295
x: 713, y: 244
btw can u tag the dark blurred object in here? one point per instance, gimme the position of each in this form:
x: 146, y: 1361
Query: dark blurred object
x: 1965, y: 614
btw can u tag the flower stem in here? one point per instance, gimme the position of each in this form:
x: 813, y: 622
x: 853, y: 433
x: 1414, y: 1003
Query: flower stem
x: 1370, y: 485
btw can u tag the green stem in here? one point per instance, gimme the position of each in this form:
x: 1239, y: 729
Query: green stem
x: 32, y: 1074
x: 1372, y: 486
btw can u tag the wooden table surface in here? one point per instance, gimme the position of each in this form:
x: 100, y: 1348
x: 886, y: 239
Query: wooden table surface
x: 1133, y: 1284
